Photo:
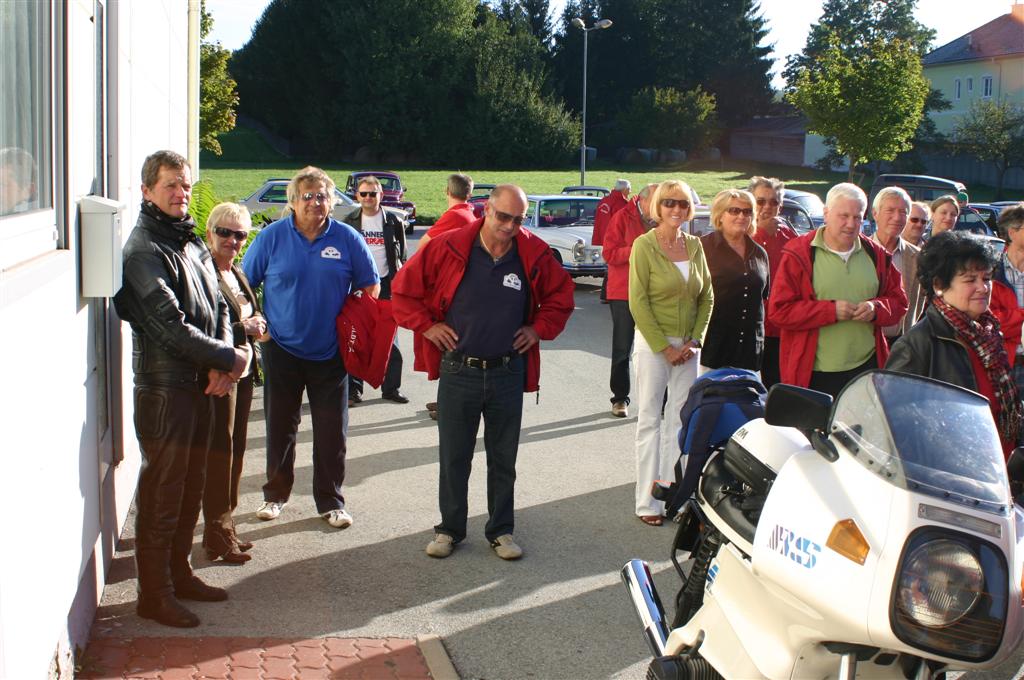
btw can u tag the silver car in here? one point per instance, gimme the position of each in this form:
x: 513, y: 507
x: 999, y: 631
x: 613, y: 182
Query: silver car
x: 270, y: 200
x: 566, y: 223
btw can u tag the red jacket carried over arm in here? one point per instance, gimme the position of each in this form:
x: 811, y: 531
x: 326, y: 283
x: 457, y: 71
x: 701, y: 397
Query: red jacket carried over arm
x: 794, y: 308
x: 422, y: 292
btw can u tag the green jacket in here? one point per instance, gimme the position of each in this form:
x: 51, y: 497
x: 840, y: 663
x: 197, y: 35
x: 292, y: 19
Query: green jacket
x: 662, y: 303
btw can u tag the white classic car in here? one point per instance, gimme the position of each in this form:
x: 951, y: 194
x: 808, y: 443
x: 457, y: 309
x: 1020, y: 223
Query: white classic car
x: 269, y: 202
x: 566, y: 223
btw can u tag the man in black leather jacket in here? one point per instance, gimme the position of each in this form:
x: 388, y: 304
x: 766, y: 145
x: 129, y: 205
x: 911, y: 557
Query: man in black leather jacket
x: 182, y: 355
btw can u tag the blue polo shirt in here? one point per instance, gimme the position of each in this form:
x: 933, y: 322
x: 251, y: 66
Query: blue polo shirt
x: 305, y: 283
x: 490, y: 303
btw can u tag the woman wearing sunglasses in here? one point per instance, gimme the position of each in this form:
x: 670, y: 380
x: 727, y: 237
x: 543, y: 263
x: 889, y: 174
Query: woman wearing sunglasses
x: 739, y: 276
x: 227, y: 229
x: 670, y: 297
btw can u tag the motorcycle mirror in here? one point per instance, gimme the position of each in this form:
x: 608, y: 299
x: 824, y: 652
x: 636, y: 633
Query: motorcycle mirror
x: 1015, y: 470
x: 792, y: 406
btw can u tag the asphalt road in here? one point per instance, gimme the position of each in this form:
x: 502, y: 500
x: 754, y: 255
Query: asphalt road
x: 560, y: 612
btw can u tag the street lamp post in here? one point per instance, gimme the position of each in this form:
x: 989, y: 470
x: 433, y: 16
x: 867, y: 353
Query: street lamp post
x: 578, y: 23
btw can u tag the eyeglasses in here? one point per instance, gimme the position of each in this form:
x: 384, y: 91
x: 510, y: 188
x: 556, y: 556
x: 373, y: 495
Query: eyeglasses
x: 734, y: 211
x: 224, y: 232
x: 506, y: 217
x: 368, y: 194
x: 917, y: 220
x: 319, y: 196
x: 768, y: 201
x: 673, y: 202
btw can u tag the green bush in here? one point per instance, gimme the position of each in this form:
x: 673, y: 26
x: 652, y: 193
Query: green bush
x: 665, y: 118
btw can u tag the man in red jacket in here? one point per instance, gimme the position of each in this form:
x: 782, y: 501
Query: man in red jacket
x: 480, y: 299
x: 834, y: 292
x: 625, y: 226
x: 607, y: 208
x: 459, y: 212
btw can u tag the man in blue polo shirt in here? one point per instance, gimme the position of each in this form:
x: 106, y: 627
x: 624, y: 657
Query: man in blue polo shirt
x: 308, y: 263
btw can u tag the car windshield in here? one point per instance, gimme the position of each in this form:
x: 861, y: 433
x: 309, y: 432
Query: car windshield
x: 797, y: 219
x: 563, y: 212
x: 390, y: 183
x: 925, y: 436
x: 811, y: 203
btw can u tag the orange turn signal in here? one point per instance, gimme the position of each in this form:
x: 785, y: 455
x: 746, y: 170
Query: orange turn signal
x: 847, y: 540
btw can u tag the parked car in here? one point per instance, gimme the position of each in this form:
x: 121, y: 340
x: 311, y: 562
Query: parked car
x: 585, y: 190
x: 794, y: 212
x: 566, y: 223
x: 811, y: 203
x: 990, y: 213
x: 481, y: 192
x: 269, y: 201
x: 920, y: 187
x: 394, y: 193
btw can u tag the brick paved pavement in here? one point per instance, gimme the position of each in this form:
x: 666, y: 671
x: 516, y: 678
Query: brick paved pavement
x: 192, y: 658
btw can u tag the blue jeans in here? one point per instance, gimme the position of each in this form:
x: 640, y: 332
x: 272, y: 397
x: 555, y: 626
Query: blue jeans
x: 463, y: 395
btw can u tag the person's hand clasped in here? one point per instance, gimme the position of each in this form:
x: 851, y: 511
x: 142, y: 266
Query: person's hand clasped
x: 845, y: 310
x: 865, y: 311
x: 442, y: 336
x: 524, y: 339
x: 255, y: 326
x: 219, y: 383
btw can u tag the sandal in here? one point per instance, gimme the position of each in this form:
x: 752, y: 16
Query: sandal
x: 651, y: 520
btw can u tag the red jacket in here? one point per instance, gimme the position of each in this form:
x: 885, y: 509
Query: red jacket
x: 793, y: 307
x: 624, y: 227
x: 459, y: 215
x: 423, y: 290
x: 1011, y: 316
x: 606, y: 207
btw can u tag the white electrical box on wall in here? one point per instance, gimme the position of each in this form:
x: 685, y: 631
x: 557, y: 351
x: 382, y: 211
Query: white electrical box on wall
x: 100, y: 246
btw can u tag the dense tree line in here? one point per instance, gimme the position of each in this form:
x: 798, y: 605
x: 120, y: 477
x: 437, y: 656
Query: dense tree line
x: 499, y: 81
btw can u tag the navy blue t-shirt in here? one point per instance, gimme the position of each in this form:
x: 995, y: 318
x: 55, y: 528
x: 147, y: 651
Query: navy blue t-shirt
x: 490, y: 303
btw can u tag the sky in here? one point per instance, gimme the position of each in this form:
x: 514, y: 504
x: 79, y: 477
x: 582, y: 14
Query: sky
x: 788, y: 21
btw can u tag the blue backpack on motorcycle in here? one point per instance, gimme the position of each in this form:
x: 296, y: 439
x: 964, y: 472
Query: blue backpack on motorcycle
x: 718, y: 404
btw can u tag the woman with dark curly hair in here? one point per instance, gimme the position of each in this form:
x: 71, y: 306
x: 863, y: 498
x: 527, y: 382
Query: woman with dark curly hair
x: 959, y: 340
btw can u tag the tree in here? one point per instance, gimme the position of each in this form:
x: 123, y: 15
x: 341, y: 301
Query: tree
x: 992, y: 131
x: 667, y: 118
x: 871, y: 105
x: 217, y: 95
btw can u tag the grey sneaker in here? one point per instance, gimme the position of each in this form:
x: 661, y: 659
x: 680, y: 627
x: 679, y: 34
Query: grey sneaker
x: 441, y: 547
x: 339, y: 519
x: 270, y: 510
x: 620, y: 409
x: 506, y: 548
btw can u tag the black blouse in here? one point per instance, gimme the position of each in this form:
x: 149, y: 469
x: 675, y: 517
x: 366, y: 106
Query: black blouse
x: 735, y: 334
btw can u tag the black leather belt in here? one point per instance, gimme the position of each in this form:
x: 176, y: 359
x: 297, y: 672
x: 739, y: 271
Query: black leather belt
x: 484, y: 363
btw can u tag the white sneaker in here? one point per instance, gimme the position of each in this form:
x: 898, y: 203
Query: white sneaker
x: 270, y: 510
x: 340, y: 519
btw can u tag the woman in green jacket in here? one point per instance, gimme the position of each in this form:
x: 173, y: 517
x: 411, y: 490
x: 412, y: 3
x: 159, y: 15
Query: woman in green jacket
x: 670, y: 297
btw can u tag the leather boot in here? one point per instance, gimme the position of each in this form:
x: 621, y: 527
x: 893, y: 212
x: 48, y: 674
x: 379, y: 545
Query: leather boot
x: 193, y: 588
x: 244, y: 546
x: 156, y: 599
x: 219, y: 544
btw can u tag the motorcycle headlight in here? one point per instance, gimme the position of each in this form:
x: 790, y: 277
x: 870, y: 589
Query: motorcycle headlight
x: 940, y: 583
x: 950, y: 595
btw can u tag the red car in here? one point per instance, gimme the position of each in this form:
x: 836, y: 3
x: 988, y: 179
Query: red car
x: 394, y: 192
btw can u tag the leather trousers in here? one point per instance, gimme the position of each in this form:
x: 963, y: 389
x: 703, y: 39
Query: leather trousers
x: 174, y: 427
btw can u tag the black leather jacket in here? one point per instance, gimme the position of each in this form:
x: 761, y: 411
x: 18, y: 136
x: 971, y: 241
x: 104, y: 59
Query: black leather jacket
x: 394, y: 241
x: 931, y: 349
x: 171, y: 297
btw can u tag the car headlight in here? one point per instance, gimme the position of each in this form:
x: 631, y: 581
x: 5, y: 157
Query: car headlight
x: 940, y: 583
x: 579, y: 250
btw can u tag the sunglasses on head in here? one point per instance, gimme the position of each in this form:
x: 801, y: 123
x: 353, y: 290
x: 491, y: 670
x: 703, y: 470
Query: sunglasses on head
x: 917, y: 220
x: 673, y: 202
x: 773, y: 202
x: 319, y: 196
x: 733, y: 210
x: 368, y: 194
x: 224, y: 232
x: 507, y: 217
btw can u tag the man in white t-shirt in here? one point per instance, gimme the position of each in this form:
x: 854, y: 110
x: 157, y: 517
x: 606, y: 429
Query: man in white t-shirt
x: 384, y: 231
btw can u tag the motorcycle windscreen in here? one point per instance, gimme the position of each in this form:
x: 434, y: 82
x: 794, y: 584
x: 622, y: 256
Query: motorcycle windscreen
x: 925, y: 436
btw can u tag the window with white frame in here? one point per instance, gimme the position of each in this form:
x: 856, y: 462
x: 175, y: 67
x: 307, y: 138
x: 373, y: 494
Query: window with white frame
x: 956, y: 89
x: 27, y: 217
x: 986, y: 86
x: 970, y: 85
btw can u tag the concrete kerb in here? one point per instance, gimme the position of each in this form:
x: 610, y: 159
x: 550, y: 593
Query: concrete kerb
x: 436, y: 657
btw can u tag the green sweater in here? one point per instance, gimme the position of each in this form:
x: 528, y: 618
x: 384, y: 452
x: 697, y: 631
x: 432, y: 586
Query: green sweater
x: 662, y: 303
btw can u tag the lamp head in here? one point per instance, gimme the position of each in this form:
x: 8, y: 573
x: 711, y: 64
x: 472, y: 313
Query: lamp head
x: 603, y: 23
x: 578, y: 23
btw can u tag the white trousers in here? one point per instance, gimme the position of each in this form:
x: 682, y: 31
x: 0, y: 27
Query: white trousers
x: 657, y: 446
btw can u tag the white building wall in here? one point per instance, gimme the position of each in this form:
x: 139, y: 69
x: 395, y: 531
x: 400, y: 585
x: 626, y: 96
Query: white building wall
x: 64, y: 505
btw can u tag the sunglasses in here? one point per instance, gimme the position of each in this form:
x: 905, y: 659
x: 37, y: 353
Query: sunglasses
x: 368, y: 194
x: 766, y: 201
x: 917, y: 220
x: 224, y: 232
x: 506, y: 217
x: 319, y: 196
x: 673, y: 202
x: 734, y: 211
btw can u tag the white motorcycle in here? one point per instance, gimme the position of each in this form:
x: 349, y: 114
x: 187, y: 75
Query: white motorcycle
x: 874, y: 539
